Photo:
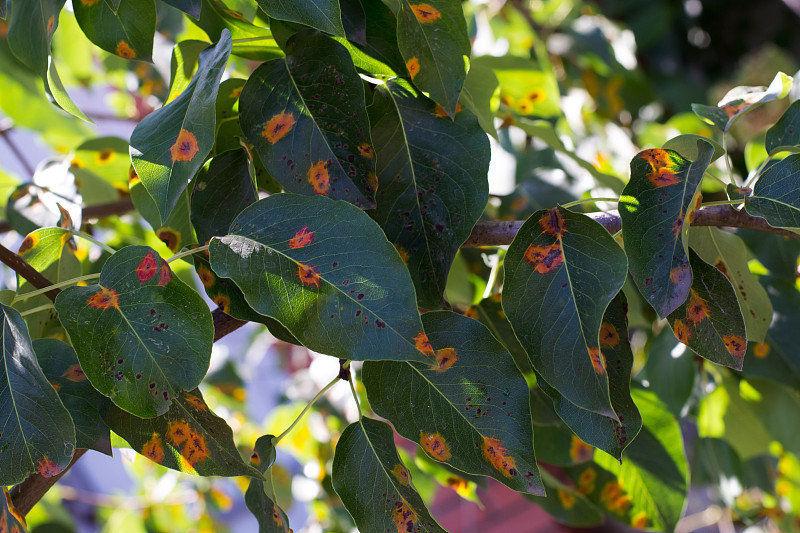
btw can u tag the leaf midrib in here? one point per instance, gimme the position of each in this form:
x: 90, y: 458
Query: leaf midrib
x: 6, y: 324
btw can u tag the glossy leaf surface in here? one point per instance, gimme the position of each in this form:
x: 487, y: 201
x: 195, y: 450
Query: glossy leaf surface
x: 785, y: 132
x: 776, y: 196
x: 127, y: 31
x: 30, y: 29
x: 325, y: 270
x: 142, y: 335
x: 654, y: 207
x: 169, y: 145
x: 432, y: 184
x: 271, y: 518
x: 473, y: 416
x: 324, y: 15
x: 309, y: 124
x: 374, y: 485
x: 562, y: 270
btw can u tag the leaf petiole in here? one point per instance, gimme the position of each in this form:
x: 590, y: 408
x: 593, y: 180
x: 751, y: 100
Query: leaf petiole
x: 723, y: 202
x: 37, y: 309
x: 276, y: 440
x: 91, y: 239
x: 58, y: 285
x: 187, y: 252
x: 588, y: 201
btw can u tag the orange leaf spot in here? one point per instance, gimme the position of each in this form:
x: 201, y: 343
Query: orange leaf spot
x: 471, y: 312
x: 615, y: 498
x: 255, y: 459
x: 736, y: 345
x: 734, y: 108
x: 196, y: 402
x: 537, y: 95
x: 553, y: 223
x: 366, y: 150
x: 308, y: 275
x: 185, y: 147
x: 586, y: 481
x: 401, y: 474
x: 579, y: 451
x: 105, y: 157
x: 697, y: 309
x: 170, y: 237
x: 372, y: 182
x: 413, y: 67
x: 446, y: 357
x: 164, y: 274
x: 403, y: 253
x: 422, y: 344
x: 104, y: 299
x: 679, y: 275
x: 662, y: 168
x: 425, y: 13
x: 566, y: 499
x: 133, y: 177
x: 544, y: 258
x: 435, y: 445
x: 154, y: 449
x: 207, y: 277
x: 496, y: 455
x: 441, y: 113
x: 124, y: 50
x: 722, y: 267
x: 598, y: 361
x: 318, y: 178
x: 404, y: 517
x: 761, y: 350
x: 278, y: 127
x: 302, y: 238
x: 47, y: 467
x: 682, y: 331
x: 234, y: 94
x: 223, y: 302
x: 191, y: 445
x: 89, y: 2
x: 276, y: 516
x: 51, y: 24
x: 608, y: 335
x: 640, y: 520
x: 28, y: 243
x: 74, y: 373
x: 677, y: 226
x: 147, y: 268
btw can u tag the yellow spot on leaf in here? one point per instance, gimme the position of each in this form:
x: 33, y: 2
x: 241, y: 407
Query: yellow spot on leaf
x: 104, y: 299
x: 403, y: 253
x: 255, y: 459
x: 207, y: 277
x: 614, y: 497
x: 89, y: 2
x: 586, y: 481
x: 318, y: 178
x: 761, y: 350
x: 426, y: 13
x: 682, y: 331
x: 640, y: 520
x: 223, y: 302
x: 662, y: 168
x: 446, y: 357
x: 404, y: 517
x: 496, y: 455
x: 170, y: 237
x: 372, y: 182
x: 302, y: 238
x: 278, y: 126
x: 124, y: 50
x: 544, y: 258
x: 191, y: 444
x: 105, y: 157
x: 412, y: 65
x: 471, y: 312
x: 401, y: 474
x: 197, y: 403
x: 153, y: 449
x: 579, y: 451
x: 567, y: 500
x: 736, y: 345
x: 697, y: 309
x: 678, y: 275
x: 422, y: 344
x: 51, y: 24
x: 598, y: 360
x: 608, y: 335
x: 28, y: 243
x: 185, y: 147
x: 436, y: 445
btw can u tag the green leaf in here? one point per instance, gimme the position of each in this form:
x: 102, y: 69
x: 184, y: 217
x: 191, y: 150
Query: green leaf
x: 150, y: 334
x: 308, y: 124
x: 60, y: 365
x: 189, y: 437
x: 327, y: 273
x: 58, y: 93
x: 489, y: 312
x: 255, y: 42
x: 31, y: 27
x: 776, y: 196
x: 670, y: 371
x: 229, y: 134
x: 432, y: 184
x: 169, y: 145
x: 324, y: 15
x: 10, y: 518
x: 710, y: 321
x: 36, y: 431
x: 729, y: 255
x: 381, y: 42
x: 473, y: 416
x: 655, y: 209
x: 184, y: 65
x: 271, y: 518
x: 561, y: 272
x: 786, y: 132
x: 190, y: 7
x: 687, y: 145
x: 432, y: 38
x: 481, y: 95
x: 525, y: 88
x: 374, y: 485
x: 127, y: 31
x: 654, y: 470
x: 566, y: 504
x: 176, y: 232
x: 102, y: 169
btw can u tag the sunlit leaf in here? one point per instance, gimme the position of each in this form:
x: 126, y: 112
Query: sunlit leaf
x: 524, y: 87
x: 127, y: 31
x: 481, y: 95
x: 776, y: 196
x: 324, y: 15
x: 252, y: 42
x: 785, y: 132
x: 271, y: 518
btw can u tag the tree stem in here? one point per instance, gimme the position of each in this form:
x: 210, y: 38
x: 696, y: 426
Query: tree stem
x: 276, y: 440
x: 91, y: 239
x: 187, y: 252
x: 58, y: 285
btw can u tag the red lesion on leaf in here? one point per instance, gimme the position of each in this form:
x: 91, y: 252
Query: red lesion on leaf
x: 47, y: 467
x: 598, y: 360
x: 104, y: 299
x: 191, y: 444
x: 426, y: 13
x: 422, y: 344
x: 153, y: 449
x: 722, y: 267
x: 436, y: 445
x: 308, y: 275
x: 736, y: 345
x: 579, y: 451
x: 566, y: 498
x: 164, y: 274
x: 441, y: 113
x: 319, y: 179
x: 366, y: 150
x: 185, y: 147
x: 147, y: 268
x: 223, y: 302
x: 761, y: 350
x: 303, y: 237
x: 404, y: 517
x: 74, y: 373
x: 496, y: 455
x: 553, y: 223
x: 28, y: 243
x: 662, y: 167
x: 682, y: 331
x: 608, y: 335
x: 412, y: 65
x: 544, y: 258
x: 126, y: 51
x: 446, y: 357
x: 207, y: 277
x: 170, y: 237
x: 697, y: 309
x: 278, y: 126
x: 401, y: 474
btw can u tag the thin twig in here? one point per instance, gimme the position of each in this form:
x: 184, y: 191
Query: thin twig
x: 21, y: 267
x: 92, y: 212
x: 15, y: 150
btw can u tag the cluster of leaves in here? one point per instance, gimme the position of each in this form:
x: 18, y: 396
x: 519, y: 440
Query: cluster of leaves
x: 367, y: 124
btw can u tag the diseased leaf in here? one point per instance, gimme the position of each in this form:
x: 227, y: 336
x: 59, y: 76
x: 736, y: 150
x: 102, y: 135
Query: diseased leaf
x: 189, y: 438
x: 169, y: 145
x: 253, y: 42
x: 271, y: 518
x: 150, y: 336
x: 36, y: 430
x: 561, y: 272
x: 126, y: 31
x: 325, y: 270
x: 567, y: 505
x: 308, y: 124
x: 525, y: 88
x: 655, y: 208
x: 776, y: 196
x: 432, y: 184
x: 30, y: 28
x: 786, y: 132
x: 60, y: 365
x: 374, y: 485
x: 687, y: 145
x: 710, y: 321
x: 101, y: 168
x: 473, y: 416
x: 8, y: 516
x: 324, y: 15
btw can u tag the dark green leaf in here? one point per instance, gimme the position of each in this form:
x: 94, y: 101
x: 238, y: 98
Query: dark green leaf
x: 257, y: 42
x: 670, y: 371
x: 567, y: 505
x: 31, y: 27
x: 169, y: 145
x: 778, y: 253
x: 489, y: 312
x: 183, y: 65
x: 474, y: 417
x: 142, y: 335
x: 654, y: 207
x: 324, y: 15
x: 374, y: 485
x: 127, y: 31
x: 325, y: 270
x: 60, y: 365
x: 188, y: 438
x: 229, y: 131
x: 785, y: 132
x: 271, y: 518
x: 309, y: 124
x: 710, y: 321
x: 354, y: 21
x: 382, y: 37
x: 561, y: 272
x: 36, y: 431
x: 190, y: 7
x: 176, y: 232
x: 432, y: 184
x: 716, y: 462
x: 480, y: 95
x: 776, y: 196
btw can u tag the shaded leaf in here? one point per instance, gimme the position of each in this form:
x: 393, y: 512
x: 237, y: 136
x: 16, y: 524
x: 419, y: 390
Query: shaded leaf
x: 127, y: 31
x: 776, y: 196
x: 190, y: 7
x: 150, y: 336
x: 271, y: 518
x: 489, y: 312
x: 655, y: 209
x: 354, y: 21
x: 324, y: 15
x: 183, y: 65
x: 169, y: 145
x: 687, y: 145
x: 670, y: 371
x: 374, y: 485
x: 567, y: 505
x: 176, y: 232
x: 30, y: 28
x: 471, y: 416
x: 327, y: 273
x: 189, y: 438
x: 561, y: 272
x: 11, y: 518
x: 778, y: 253
x: 381, y: 39
x: 481, y: 96
x: 785, y: 132
x: 308, y: 124
x: 36, y: 430
x: 229, y: 131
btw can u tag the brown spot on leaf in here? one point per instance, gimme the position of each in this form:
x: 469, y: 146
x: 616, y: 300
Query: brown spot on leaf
x: 170, y: 237
x: 697, y: 309
x: 412, y: 65
x: 608, y: 335
x: 319, y: 179
x: 544, y: 258
x: 682, y: 331
x: 207, y: 277
x: 761, y: 350
x: 191, y: 444
x: 579, y: 451
x: 598, y: 360
x: 446, y: 357
x: 223, y: 302
x: 308, y: 275
x: 104, y: 299
x: 422, y: 344
x: 496, y: 455
x: 28, y: 243
x: 47, y: 467
x: 404, y: 517
x: 74, y: 373
x: 185, y: 147
x: 153, y: 449
x: 401, y: 474
x: 736, y: 345
x: 436, y: 445
x: 302, y: 238
x: 366, y: 150
x: 553, y: 223
x: 426, y: 13
x: 441, y: 113
x: 105, y: 157
x: 278, y: 127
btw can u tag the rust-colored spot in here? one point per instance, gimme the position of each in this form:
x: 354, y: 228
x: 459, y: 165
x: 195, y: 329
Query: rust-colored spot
x: 170, y: 237
x: 89, y: 2
x: 598, y: 360
x: 164, y: 274
x: 456, y: 483
x: 318, y: 178
x: 51, y: 24
x: 697, y: 309
x: 682, y: 331
x: 579, y: 451
x: 446, y: 357
x: 185, y: 147
x: 278, y: 126
x: 223, y: 302
x: 124, y: 50
x: 426, y: 13
x: 402, y: 252
x: 153, y: 449
x: 608, y: 335
x: 537, y: 95
x: 698, y: 200
x: 586, y: 481
x: 553, y: 223
x: 678, y: 275
x: 372, y: 181
x: 662, y: 168
x: 736, y: 345
x: 308, y: 275
x: 366, y: 150
x: 677, y: 226
x: 614, y: 497
x: 147, y: 268
x: 735, y: 107
x: 77, y: 162
x: 441, y: 113
x: 235, y: 93
x: 640, y: 520
x: 722, y: 267
x: 761, y: 350
x: 302, y: 238
x: 105, y: 157
x: 471, y: 312
x: 57, y: 387
x: 47, y: 467
x: 197, y: 403
x: 404, y: 517
x: 567, y: 500
x: 207, y: 277
x: 255, y: 459
x: 544, y: 258
x: 191, y: 444
x: 276, y: 515
x: 74, y: 373
x: 28, y: 243
x: 401, y: 474
x: 236, y: 14
x: 412, y: 65
x: 435, y: 445
x: 496, y: 455
x: 133, y: 177
x: 422, y: 344
x: 104, y: 299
